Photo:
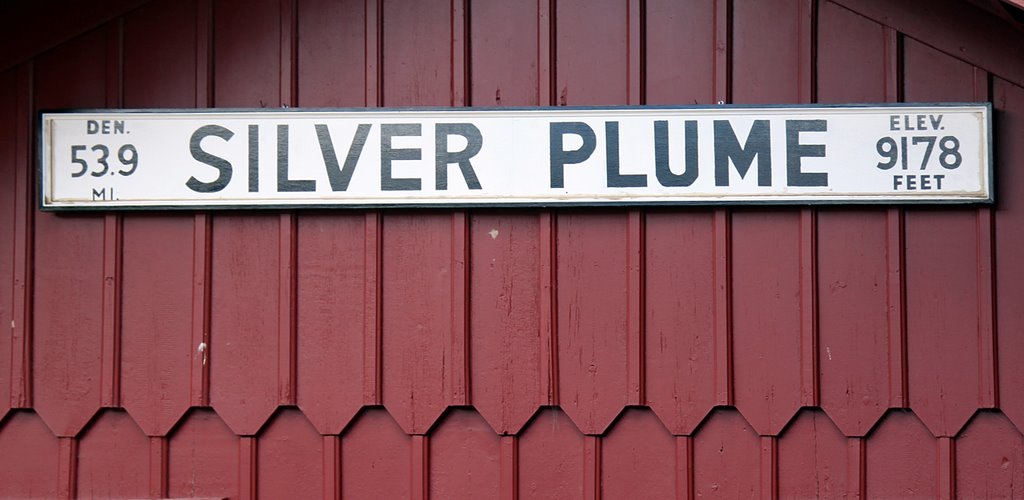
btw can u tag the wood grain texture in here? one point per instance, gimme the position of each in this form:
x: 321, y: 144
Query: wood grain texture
x: 812, y: 458
x: 9, y: 168
x: 464, y: 457
x: 1009, y: 237
x: 942, y: 271
x: 551, y: 452
x: 375, y: 457
x: 67, y: 336
x: 289, y: 458
x: 989, y: 457
x: 726, y: 457
x: 634, y: 457
x: 331, y: 320
x: 113, y: 458
x: 505, y: 338
x: 680, y: 310
x: 28, y: 456
x: 203, y: 457
x: 901, y: 458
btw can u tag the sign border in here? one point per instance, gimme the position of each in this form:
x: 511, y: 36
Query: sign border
x: 42, y: 134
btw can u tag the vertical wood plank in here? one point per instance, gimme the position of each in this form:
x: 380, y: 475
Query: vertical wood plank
x: 419, y: 487
x: 551, y: 451
x: 548, y: 308
x: 200, y: 370
x: 1009, y: 234
x: 9, y: 169
x: 726, y: 456
x: 21, y: 315
x: 509, y: 482
x: 458, y: 343
x: 67, y: 300
x: 199, y: 392
x: 67, y: 466
x: 809, y: 383
x: 29, y: 455
x: 635, y: 307
x: 203, y: 457
x: 943, y: 315
x: 247, y: 475
x: 157, y: 467
x: 332, y: 467
x: 157, y: 257
x: 287, y: 308
x: 637, y: 457
x: 592, y: 467
x: 900, y: 458
x: 684, y: 467
x: 111, y: 305
x: 375, y: 458
x: 852, y: 273
x: 896, y: 288
x: 291, y: 458
x: 855, y: 465
x: 812, y: 458
x: 722, y: 265
x: 677, y: 50
x: 372, y: 261
x: 465, y: 457
x: 769, y: 467
x: 946, y: 461
x: 988, y: 376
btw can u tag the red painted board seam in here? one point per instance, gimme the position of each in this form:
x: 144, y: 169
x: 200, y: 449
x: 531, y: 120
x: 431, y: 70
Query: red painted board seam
x: 807, y: 64
x: 635, y: 52
x: 808, y: 308
x: 374, y: 77
x: 722, y: 308
x: 288, y: 47
x: 459, y: 343
x: 545, y: 52
x: 459, y: 83
x: 157, y: 467
x: 200, y: 367
x: 855, y: 467
x: 896, y: 291
x: 420, y: 468
x: 988, y: 378
x: 509, y: 487
x: 204, y: 57
x: 769, y: 467
x: 723, y: 51
x: 947, y: 468
x: 67, y: 467
x: 332, y: 467
x: 895, y: 256
x: 635, y: 308
x: 372, y: 259
x: 548, y: 309
x: 21, y: 314
x: 592, y: 467
x: 247, y: 467
x: 684, y: 468
x: 286, y: 369
x: 111, y: 317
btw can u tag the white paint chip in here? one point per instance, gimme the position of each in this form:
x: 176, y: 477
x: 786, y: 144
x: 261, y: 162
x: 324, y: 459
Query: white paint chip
x: 494, y: 234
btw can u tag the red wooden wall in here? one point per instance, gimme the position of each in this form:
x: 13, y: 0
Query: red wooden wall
x: 521, y: 353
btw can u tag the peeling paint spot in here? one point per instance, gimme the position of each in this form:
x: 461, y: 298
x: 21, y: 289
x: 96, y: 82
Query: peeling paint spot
x: 202, y: 350
x: 829, y: 352
x: 493, y: 233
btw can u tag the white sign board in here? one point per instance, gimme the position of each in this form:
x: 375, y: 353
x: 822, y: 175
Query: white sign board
x: 541, y: 156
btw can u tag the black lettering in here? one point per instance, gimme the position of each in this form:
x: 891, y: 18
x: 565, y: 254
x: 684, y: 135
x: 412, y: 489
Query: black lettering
x: 560, y: 157
x: 894, y: 122
x: 254, y: 158
x: 727, y: 147
x: 118, y: 126
x: 936, y: 120
x: 443, y: 157
x: 101, y: 194
x: 222, y: 165
x: 284, y: 184
x: 796, y: 151
x: 340, y: 178
x: 105, y: 127
x: 611, y: 148
x: 661, y: 164
x: 389, y: 154
x: 938, y: 180
x: 92, y: 127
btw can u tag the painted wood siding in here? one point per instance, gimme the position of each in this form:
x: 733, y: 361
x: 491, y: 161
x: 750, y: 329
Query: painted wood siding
x: 520, y: 353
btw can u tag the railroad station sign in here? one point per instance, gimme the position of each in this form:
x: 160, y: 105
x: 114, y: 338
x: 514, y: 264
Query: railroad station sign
x: 936, y: 153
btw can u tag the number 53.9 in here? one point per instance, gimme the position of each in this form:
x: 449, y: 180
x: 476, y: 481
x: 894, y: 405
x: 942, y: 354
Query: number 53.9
x: 127, y: 155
